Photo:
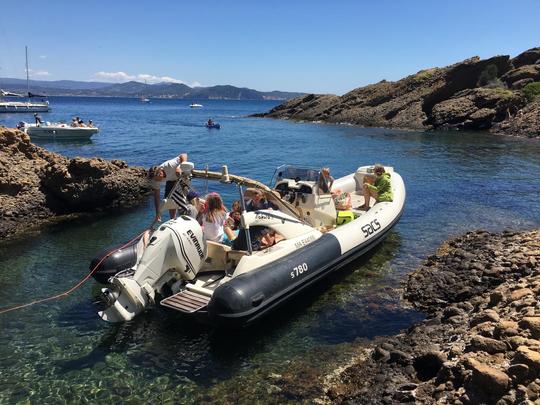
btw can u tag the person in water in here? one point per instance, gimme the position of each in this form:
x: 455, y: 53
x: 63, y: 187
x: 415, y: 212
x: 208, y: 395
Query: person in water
x: 381, y: 189
x: 325, y: 181
x: 170, y: 172
x: 210, y: 122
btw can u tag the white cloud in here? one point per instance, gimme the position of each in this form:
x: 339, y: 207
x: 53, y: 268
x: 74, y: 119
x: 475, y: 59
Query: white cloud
x: 121, y: 77
x: 43, y: 56
x: 38, y: 72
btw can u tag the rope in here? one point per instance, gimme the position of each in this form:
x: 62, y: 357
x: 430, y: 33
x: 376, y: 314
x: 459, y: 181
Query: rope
x: 76, y: 286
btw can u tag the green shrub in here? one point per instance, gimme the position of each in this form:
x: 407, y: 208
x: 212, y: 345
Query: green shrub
x: 532, y: 91
x: 488, y: 75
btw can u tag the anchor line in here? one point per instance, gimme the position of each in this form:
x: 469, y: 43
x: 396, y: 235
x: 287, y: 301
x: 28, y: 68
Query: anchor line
x: 75, y: 287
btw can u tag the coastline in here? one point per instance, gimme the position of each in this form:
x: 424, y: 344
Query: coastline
x: 498, y: 94
x: 38, y: 187
x: 479, y: 342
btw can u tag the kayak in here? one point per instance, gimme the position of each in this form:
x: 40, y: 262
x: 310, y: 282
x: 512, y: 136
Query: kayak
x: 215, y: 125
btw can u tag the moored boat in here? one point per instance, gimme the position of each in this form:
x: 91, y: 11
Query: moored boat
x: 180, y: 270
x: 195, y: 105
x: 57, y: 131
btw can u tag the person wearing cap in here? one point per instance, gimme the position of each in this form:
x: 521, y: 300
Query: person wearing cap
x: 381, y: 189
x: 170, y: 172
x: 195, y: 207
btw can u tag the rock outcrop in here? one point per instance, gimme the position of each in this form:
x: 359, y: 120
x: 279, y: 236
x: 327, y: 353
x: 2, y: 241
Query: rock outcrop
x: 37, y: 186
x: 480, y: 343
x: 473, y: 94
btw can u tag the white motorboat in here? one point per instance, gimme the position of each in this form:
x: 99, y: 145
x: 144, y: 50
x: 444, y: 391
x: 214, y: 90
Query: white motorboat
x: 195, y: 105
x: 144, y: 100
x: 7, y: 106
x: 175, y: 267
x: 24, y: 106
x: 57, y: 131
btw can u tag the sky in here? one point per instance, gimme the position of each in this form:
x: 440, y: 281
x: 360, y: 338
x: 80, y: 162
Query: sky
x: 308, y: 46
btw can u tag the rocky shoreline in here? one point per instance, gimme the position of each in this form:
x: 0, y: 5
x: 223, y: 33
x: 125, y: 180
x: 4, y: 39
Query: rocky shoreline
x: 480, y: 342
x: 38, y: 187
x: 500, y: 94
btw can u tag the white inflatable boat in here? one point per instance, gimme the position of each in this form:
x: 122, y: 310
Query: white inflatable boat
x: 179, y: 270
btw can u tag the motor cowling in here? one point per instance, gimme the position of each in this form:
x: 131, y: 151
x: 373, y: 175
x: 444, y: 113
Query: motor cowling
x: 175, y: 249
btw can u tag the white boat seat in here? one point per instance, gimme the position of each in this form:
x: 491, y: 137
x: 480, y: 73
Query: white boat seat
x: 216, y: 258
x: 234, y: 256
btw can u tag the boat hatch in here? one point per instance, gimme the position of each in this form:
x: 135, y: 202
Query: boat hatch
x: 186, y: 301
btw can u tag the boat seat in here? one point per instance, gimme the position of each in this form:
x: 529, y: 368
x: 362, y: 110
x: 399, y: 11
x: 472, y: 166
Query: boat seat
x: 216, y: 257
x: 234, y: 256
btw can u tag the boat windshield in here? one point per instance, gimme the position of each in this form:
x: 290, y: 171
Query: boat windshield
x: 294, y: 172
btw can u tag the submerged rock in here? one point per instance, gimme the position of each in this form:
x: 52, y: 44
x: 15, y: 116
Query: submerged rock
x: 37, y: 186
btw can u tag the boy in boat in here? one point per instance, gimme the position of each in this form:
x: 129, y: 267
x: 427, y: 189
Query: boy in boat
x: 381, y: 189
x: 170, y: 172
x: 258, y: 202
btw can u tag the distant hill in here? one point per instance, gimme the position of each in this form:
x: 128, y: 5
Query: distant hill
x: 137, y: 89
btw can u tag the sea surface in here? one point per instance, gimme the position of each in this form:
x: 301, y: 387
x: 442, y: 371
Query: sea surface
x: 61, y: 352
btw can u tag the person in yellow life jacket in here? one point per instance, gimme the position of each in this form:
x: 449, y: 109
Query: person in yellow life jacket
x: 381, y: 189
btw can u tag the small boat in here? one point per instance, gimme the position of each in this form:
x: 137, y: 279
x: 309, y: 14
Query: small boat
x: 144, y: 100
x: 57, y: 131
x: 213, y: 125
x: 176, y: 268
x: 195, y: 105
x: 23, y: 106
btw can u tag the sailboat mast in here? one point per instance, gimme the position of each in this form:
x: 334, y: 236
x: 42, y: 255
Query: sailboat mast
x: 27, y: 79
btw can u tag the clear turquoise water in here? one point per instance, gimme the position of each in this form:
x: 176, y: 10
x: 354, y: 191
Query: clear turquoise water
x: 62, y: 352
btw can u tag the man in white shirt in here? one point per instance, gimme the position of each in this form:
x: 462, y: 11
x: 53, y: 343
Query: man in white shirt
x: 170, y: 172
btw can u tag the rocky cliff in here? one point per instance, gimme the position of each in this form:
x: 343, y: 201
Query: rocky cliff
x: 37, y: 186
x: 473, y: 94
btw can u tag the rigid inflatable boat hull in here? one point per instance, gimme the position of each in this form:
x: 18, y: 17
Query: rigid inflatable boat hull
x: 248, y: 297
x: 121, y: 257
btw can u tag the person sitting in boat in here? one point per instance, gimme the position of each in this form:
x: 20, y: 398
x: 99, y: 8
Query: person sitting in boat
x: 258, y: 202
x: 210, y: 122
x: 168, y: 171
x: 261, y: 238
x: 38, y: 119
x: 325, y: 181
x: 235, y: 214
x: 214, y: 220
x: 381, y: 189
x: 74, y: 122
x: 80, y: 122
x: 90, y: 124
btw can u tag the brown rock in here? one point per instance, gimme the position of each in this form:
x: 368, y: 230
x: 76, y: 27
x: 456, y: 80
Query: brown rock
x: 488, y: 315
x: 518, y: 294
x: 529, y: 357
x: 532, y: 324
x: 481, y: 343
x: 488, y: 379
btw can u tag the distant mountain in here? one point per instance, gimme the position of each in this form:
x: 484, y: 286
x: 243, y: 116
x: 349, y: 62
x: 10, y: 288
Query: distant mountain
x: 137, y: 89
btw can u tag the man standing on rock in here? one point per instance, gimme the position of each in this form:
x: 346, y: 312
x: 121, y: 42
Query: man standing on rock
x: 170, y: 172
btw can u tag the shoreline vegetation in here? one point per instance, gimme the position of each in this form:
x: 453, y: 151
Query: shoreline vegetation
x: 499, y: 94
x: 38, y: 187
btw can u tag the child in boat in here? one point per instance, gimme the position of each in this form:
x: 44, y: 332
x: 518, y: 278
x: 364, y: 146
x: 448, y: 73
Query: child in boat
x: 325, y: 181
x: 195, y: 208
x: 214, y: 220
x: 381, y: 189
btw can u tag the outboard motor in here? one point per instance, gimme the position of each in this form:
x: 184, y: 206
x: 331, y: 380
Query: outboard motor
x: 175, y: 251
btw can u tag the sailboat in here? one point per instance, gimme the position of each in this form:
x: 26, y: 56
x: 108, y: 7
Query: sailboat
x: 143, y: 99
x: 23, y: 106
